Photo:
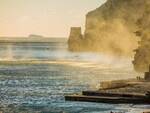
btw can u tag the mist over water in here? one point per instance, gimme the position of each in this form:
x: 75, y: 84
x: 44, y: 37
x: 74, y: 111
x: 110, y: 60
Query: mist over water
x: 57, y: 52
x: 44, y: 72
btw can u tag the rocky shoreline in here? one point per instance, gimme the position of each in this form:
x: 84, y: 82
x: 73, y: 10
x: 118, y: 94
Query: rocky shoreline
x: 130, y: 91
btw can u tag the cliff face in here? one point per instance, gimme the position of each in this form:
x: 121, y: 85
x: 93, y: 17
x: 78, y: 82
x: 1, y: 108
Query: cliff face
x: 142, y: 57
x: 109, y: 28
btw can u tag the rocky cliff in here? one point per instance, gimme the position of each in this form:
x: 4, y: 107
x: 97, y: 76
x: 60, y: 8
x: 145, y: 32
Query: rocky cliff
x: 142, y: 57
x: 75, y: 39
x: 110, y: 28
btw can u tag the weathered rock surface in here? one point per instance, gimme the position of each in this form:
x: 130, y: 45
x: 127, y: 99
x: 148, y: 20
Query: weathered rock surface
x: 75, y: 39
x: 115, y: 28
x: 142, y: 57
x: 109, y: 28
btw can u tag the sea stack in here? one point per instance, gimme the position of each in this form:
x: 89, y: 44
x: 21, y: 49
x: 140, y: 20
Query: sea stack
x: 75, y: 39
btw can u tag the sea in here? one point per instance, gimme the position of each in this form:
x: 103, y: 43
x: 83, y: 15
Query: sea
x: 44, y: 72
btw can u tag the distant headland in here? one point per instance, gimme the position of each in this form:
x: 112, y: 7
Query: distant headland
x: 32, y: 38
x: 35, y: 36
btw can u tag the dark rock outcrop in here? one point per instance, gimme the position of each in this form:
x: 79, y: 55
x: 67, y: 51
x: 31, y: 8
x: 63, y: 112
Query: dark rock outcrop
x: 142, y: 57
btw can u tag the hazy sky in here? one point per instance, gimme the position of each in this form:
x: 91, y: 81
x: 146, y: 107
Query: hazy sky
x: 44, y: 17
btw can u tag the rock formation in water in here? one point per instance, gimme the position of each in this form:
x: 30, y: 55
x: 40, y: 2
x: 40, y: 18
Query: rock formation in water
x: 75, y: 39
x: 110, y: 28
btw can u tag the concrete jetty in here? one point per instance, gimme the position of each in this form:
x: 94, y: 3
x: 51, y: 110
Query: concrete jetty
x: 108, y: 99
x: 132, y: 91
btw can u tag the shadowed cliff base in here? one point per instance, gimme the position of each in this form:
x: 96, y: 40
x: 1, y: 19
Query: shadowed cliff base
x: 114, y: 28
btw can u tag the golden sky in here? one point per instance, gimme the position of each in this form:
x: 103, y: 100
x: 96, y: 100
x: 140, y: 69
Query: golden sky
x: 51, y: 18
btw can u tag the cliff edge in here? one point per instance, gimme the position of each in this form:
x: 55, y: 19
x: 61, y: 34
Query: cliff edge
x: 109, y: 28
x: 118, y: 27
